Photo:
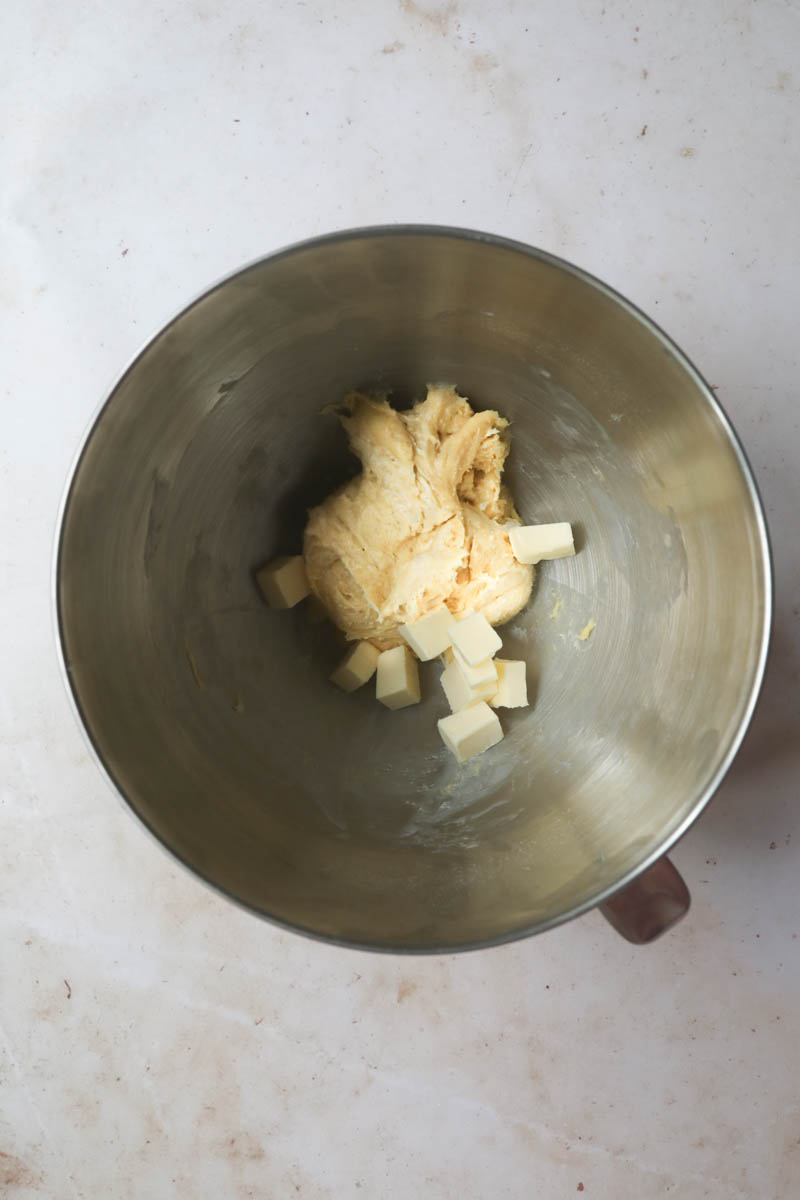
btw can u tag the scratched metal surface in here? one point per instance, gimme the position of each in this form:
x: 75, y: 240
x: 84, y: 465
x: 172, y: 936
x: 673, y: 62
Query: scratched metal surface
x: 214, y: 715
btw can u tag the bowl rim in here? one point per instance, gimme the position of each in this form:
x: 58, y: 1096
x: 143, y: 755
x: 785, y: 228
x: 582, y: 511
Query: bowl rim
x: 404, y: 230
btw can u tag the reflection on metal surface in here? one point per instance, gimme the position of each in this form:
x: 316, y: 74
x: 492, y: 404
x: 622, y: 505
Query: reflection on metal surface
x: 327, y: 813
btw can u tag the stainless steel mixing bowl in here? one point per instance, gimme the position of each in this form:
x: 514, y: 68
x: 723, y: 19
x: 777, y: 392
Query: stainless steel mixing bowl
x: 213, y: 716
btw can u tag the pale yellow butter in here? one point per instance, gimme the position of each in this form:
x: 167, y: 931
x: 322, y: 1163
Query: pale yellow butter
x: 429, y: 636
x: 357, y: 667
x: 512, y: 686
x: 477, y: 676
x: 474, y: 639
x: 532, y: 543
x: 283, y: 581
x: 397, y: 683
x: 458, y: 692
x: 470, y: 731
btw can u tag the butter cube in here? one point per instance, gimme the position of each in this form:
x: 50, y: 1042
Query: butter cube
x: 458, y: 692
x: 474, y: 639
x: 485, y: 672
x: 397, y: 683
x: 470, y: 731
x: 532, y: 543
x: 512, y: 687
x: 429, y: 636
x: 283, y: 581
x: 357, y: 666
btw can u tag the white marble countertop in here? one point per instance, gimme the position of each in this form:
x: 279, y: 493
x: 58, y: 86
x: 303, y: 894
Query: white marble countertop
x: 154, y: 1040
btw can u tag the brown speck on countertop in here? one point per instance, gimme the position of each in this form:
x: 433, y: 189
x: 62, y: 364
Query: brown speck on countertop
x: 773, y: 845
x: 483, y: 62
x: 688, y: 151
x: 14, y: 1173
x: 407, y: 988
x: 125, y: 251
x: 645, y: 72
x: 393, y: 47
x: 644, y: 130
x: 69, y: 989
x: 579, y: 1187
x: 439, y: 19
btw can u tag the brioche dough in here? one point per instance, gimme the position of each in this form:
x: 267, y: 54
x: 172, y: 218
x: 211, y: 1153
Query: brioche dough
x: 422, y: 524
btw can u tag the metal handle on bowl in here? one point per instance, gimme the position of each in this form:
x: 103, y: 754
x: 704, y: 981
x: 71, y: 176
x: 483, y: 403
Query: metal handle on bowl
x: 649, y: 906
